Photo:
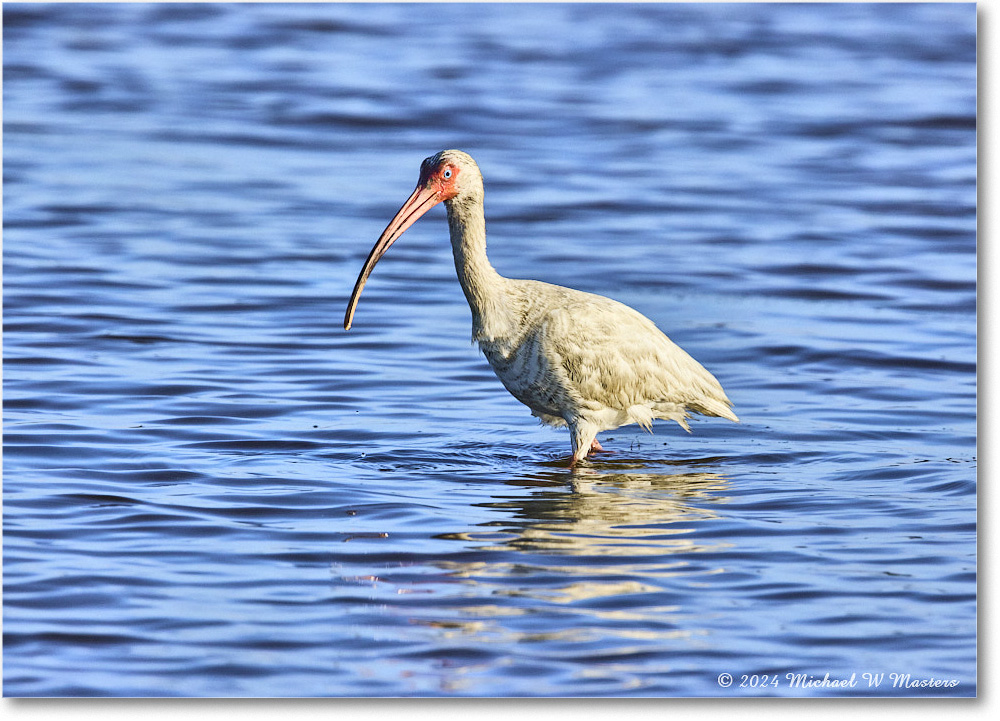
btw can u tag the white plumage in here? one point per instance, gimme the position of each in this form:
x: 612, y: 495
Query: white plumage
x: 575, y: 359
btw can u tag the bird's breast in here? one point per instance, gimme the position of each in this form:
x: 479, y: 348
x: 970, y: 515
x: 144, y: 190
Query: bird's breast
x: 527, y: 374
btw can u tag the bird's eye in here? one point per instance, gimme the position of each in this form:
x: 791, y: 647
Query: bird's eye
x: 446, y: 174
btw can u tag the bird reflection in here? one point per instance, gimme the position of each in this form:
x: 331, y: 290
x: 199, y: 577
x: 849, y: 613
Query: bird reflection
x: 612, y: 560
x: 648, y: 512
x: 615, y: 554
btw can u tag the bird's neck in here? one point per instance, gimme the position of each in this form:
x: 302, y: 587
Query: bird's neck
x: 485, y: 289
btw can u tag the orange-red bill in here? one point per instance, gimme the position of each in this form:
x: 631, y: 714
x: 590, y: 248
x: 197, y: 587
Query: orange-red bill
x: 422, y: 200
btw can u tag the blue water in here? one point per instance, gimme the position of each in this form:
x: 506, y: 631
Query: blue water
x: 211, y: 489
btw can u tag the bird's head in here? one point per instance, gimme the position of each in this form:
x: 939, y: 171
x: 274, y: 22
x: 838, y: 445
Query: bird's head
x: 450, y: 174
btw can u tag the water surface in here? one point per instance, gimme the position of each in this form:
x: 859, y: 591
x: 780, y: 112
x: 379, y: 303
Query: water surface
x: 211, y: 489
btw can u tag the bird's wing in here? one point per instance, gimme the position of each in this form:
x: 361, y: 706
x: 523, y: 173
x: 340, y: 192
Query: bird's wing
x: 614, y: 356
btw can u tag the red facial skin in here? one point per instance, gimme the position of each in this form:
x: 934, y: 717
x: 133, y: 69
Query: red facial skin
x: 434, y: 178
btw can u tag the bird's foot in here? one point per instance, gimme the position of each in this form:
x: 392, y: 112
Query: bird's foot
x: 596, y: 447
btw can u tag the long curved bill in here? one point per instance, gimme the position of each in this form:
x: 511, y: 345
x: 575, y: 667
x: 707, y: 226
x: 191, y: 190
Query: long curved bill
x: 422, y: 200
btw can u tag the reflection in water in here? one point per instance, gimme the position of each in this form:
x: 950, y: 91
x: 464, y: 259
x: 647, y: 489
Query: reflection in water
x: 604, y: 567
x: 609, y: 513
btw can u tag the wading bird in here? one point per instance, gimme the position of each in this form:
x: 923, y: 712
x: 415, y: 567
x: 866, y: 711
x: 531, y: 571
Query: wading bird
x: 575, y: 359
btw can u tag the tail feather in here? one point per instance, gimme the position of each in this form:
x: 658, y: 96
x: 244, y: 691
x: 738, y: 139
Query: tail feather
x: 715, y: 407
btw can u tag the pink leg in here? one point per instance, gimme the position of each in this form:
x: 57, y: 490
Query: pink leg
x: 595, y: 447
x: 583, y: 436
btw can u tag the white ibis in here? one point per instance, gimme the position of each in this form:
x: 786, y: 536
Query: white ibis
x: 575, y: 359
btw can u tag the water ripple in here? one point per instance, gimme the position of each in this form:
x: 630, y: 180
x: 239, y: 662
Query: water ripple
x: 212, y: 490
